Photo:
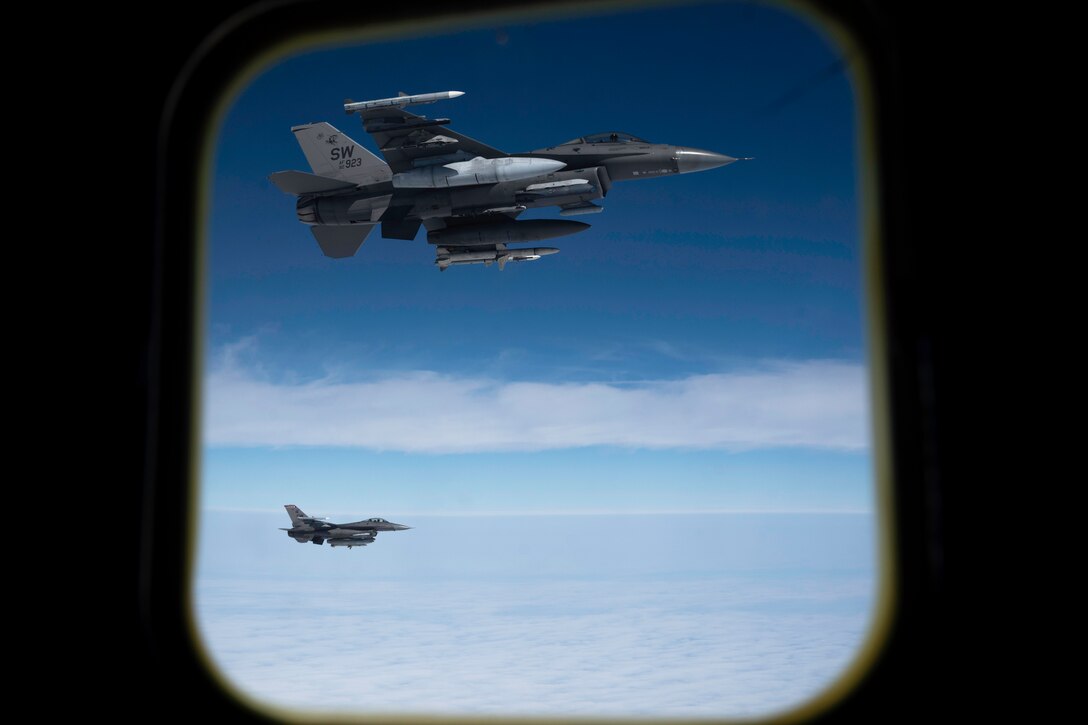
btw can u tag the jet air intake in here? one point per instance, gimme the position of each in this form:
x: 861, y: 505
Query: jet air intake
x: 475, y: 172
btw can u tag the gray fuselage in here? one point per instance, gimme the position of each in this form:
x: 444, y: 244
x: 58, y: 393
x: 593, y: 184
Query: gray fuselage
x: 363, y: 531
x: 592, y: 164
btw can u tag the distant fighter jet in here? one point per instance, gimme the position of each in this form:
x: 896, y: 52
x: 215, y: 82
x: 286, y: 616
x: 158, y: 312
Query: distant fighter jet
x: 466, y: 194
x: 317, y: 531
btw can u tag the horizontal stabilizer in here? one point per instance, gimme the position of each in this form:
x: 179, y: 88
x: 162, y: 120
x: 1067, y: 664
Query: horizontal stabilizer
x: 299, y: 182
x: 341, y: 241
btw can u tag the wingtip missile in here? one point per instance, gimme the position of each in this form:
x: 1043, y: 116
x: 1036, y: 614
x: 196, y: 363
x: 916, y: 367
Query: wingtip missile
x: 399, y: 101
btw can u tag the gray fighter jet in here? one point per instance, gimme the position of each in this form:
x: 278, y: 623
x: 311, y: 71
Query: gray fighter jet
x: 317, y: 531
x: 466, y: 194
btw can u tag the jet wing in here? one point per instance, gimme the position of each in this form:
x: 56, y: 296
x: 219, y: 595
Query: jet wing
x: 408, y: 141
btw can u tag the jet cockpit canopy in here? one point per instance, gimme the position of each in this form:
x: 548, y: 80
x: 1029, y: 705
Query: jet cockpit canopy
x: 610, y: 137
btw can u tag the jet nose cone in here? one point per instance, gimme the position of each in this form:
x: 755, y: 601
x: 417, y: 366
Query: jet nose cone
x: 400, y: 527
x: 688, y: 160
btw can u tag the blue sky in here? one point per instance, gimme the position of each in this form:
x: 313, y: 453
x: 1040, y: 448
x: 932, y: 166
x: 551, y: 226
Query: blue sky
x: 706, y: 320
x: 699, y: 352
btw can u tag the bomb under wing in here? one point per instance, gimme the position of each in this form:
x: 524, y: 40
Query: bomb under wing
x: 467, y: 195
x: 451, y: 256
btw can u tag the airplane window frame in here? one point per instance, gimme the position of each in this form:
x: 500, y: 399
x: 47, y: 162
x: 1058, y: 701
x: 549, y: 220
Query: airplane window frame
x: 166, y: 492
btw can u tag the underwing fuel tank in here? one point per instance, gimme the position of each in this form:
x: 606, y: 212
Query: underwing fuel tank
x: 450, y: 257
x: 505, y: 232
x: 475, y: 172
x: 351, y: 542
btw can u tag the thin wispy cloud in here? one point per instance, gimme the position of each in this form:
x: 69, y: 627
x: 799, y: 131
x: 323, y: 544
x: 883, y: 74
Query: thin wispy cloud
x: 813, y: 404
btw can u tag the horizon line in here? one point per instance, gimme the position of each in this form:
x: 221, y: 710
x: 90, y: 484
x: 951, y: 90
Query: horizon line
x: 583, y: 512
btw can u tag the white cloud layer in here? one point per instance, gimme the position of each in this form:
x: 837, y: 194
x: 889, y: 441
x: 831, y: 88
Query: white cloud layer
x: 821, y: 404
x: 677, y: 616
x: 659, y: 647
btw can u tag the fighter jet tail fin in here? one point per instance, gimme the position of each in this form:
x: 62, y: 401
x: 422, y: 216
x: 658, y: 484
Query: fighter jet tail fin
x: 297, y: 515
x: 335, y: 155
x: 341, y: 241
